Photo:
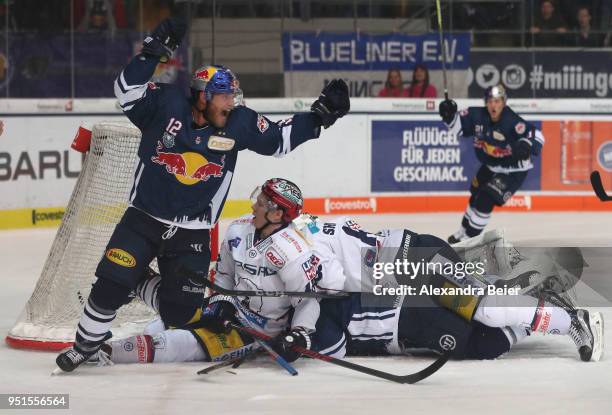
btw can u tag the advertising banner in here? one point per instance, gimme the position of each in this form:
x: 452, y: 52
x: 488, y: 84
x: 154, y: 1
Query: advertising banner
x: 542, y: 74
x: 311, y: 60
x: 423, y: 156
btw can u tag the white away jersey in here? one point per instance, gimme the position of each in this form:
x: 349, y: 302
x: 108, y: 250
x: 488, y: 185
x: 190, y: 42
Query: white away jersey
x: 347, y: 252
x: 283, y: 261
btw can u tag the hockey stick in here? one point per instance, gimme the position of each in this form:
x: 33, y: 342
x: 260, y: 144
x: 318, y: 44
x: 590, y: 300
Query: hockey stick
x: 246, y: 324
x: 598, y: 187
x: 412, y: 378
x: 233, y: 362
x: 261, y: 293
x: 274, y: 355
x: 439, y: 13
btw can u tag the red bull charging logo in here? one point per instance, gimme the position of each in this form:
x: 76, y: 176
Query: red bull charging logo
x: 188, y: 168
x: 492, y: 150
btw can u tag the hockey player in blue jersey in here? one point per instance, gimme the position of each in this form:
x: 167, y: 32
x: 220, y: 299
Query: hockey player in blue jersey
x: 187, y: 157
x: 504, y: 144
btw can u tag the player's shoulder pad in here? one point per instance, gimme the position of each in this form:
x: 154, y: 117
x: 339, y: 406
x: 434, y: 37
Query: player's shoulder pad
x: 244, y: 117
x: 518, y: 124
x: 240, y: 223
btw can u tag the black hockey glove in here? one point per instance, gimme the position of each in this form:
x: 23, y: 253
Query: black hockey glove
x: 283, y: 342
x: 447, y: 110
x: 521, y: 149
x: 333, y: 103
x: 165, y: 39
x: 218, y: 313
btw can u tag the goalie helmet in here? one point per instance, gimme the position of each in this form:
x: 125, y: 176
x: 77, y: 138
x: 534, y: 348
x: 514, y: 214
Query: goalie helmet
x: 495, y: 91
x: 285, y: 195
x: 212, y: 80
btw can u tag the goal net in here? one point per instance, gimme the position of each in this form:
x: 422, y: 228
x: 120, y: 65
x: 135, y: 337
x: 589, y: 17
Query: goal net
x: 99, y: 198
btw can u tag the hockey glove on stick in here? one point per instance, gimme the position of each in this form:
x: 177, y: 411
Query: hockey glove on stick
x: 447, y: 110
x: 283, y: 343
x: 165, y: 39
x: 218, y: 312
x: 333, y: 103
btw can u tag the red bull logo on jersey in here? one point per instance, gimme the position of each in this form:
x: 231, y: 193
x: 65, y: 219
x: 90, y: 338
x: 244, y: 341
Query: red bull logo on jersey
x: 189, y: 168
x: 491, y: 150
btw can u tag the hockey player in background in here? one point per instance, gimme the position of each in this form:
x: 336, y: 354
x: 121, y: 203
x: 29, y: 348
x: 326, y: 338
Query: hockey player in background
x: 504, y: 144
x: 187, y: 157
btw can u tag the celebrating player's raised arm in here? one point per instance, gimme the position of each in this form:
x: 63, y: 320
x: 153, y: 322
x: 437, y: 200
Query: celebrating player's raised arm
x: 186, y: 162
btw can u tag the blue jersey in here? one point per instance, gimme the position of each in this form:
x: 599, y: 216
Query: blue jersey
x: 184, y: 172
x: 493, y: 140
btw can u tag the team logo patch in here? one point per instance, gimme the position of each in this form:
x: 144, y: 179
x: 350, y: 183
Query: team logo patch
x: 447, y: 342
x: 520, y: 128
x: 274, y: 258
x: 498, y: 136
x: 221, y: 143
x: 310, y: 267
x: 233, y: 243
x: 252, y: 253
x: 262, y: 124
x: 188, y: 168
x: 121, y: 257
x: 168, y: 140
x: 128, y: 346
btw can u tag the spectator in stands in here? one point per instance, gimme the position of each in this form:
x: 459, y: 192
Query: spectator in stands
x: 420, y: 86
x: 394, y: 86
x: 548, y: 26
x: 585, y: 37
x: 98, y: 16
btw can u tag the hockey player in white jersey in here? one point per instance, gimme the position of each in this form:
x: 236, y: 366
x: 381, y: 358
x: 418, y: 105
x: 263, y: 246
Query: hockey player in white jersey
x: 264, y: 251
x: 348, y: 250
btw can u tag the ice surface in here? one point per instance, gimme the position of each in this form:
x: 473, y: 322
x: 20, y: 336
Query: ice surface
x: 543, y: 375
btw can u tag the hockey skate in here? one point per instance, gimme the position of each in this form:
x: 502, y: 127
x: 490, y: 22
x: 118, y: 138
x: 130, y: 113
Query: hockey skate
x: 457, y: 237
x: 71, y: 358
x: 102, y: 357
x: 587, y: 332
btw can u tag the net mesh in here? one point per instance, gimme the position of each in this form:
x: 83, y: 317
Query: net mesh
x: 97, y: 203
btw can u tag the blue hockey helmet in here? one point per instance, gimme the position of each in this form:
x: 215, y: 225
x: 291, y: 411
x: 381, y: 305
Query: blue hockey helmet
x: 495, y: 91
x: 213, y: 79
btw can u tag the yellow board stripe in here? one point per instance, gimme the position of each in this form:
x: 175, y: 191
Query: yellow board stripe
x: 50, y: 217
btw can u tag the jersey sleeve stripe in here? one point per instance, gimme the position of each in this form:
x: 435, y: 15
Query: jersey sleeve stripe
x: 128, y: 95
x: 284, y: 147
